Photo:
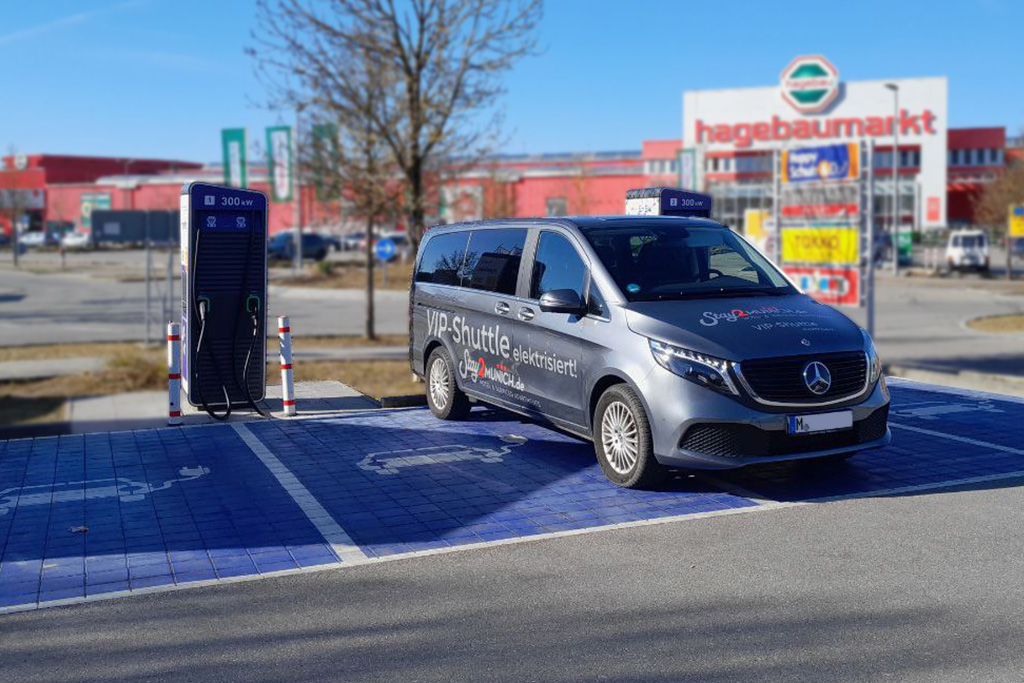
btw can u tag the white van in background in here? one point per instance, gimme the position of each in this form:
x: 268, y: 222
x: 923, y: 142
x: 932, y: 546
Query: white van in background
x: 967, y: 250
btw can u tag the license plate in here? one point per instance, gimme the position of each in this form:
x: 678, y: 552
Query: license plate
x: 822, y: 422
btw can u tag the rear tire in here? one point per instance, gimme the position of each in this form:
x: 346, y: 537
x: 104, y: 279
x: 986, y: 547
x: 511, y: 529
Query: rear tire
x: 444, y: 397
x: 622, y: 440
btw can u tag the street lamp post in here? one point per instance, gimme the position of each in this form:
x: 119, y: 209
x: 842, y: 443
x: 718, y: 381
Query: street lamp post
x: 895, y: 177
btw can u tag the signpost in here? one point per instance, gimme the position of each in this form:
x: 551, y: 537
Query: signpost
x: 822, y: 218
x: 385, y: 251
x: 1014, y: 229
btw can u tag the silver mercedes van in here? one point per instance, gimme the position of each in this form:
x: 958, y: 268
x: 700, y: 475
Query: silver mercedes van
x: 670, y: 342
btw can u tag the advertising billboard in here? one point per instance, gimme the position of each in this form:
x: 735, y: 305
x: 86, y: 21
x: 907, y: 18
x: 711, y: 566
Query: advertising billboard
x: 835, y: 286
x: 821, y: 245
x: 831, y: 162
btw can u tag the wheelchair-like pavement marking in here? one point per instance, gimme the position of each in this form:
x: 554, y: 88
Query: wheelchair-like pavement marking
x: 107, y: 515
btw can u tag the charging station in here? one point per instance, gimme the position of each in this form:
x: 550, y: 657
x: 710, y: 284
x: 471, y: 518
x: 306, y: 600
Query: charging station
x: 223, y: 297
x: 667, y: 201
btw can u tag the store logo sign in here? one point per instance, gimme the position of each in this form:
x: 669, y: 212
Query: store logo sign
x: 809, y: 83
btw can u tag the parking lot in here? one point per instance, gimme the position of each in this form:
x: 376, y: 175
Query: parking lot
x: 110, y: 514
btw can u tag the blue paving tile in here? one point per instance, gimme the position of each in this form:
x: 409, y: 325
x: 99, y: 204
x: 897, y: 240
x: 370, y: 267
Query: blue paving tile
x: 186, y: 504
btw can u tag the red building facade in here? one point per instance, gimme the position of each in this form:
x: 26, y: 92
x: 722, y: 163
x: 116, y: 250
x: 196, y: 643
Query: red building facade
x: 56, y: 188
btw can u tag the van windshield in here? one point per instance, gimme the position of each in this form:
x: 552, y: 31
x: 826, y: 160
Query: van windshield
x: 676, y: 262
x: 969, y: 241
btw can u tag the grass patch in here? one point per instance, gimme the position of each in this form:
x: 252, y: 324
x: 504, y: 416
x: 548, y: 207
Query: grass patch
x: 998, y: 324
x: 352, y: 276
x: 114, y: 349
x: 373, y: 378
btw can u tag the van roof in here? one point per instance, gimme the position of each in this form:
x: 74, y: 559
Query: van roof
x: 585, y: 223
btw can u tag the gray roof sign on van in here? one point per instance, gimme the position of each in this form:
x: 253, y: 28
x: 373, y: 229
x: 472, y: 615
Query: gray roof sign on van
x: 667, y: 201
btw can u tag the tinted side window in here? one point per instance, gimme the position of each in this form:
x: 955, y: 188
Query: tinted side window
x: 556, y: 266
x: 595, y: 302
x: 492, y: 260
x: 442, y: 260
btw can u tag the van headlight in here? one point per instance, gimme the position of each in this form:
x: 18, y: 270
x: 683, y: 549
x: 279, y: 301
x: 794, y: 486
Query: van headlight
x: 707, y: 371
x: 873, y: 359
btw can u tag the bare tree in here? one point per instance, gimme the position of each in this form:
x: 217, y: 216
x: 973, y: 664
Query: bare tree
x: 440, y: 64
x: 13, y: 200
x: 991, y: 205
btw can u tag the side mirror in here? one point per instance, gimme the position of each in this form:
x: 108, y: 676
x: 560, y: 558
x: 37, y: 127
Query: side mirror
x: 561, y: 301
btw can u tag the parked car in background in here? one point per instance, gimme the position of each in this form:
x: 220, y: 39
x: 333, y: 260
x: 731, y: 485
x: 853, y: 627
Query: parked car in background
x: 333, y: 241
x: 36, y: 239
x: 1018, y: 247
x: 282, y: 247
x: 76, y: 240
x: 351, y: 241
x: 967, y: 250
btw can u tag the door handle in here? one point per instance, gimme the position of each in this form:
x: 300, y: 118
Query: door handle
x: 501, y: 308
x: 526, y: 313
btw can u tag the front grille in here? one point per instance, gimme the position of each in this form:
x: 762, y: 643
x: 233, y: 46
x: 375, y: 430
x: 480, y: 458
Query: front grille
x: 782, y: 379
x: 739, y: 440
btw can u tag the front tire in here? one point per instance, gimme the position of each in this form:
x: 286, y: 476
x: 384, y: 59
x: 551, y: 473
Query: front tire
x: 444, y: 397
x: 622, y: 440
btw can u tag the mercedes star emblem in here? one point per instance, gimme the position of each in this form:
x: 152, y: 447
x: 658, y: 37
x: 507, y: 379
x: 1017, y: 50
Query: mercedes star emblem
x: 817, y: 377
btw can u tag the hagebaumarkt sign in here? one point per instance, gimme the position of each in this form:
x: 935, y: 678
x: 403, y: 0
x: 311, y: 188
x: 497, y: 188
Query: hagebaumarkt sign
x: 762, y: 119
x: 809, y: 83
x: 832, y: 162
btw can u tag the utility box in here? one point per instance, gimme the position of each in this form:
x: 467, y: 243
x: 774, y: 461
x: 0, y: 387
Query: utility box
x: 667, y: 201
x: 223, y: 296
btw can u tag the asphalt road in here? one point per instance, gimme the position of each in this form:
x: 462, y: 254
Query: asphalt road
x: 908, y: 588
x: 918, y: 321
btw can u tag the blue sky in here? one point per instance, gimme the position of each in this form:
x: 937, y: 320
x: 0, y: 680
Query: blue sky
x: 160, y: 78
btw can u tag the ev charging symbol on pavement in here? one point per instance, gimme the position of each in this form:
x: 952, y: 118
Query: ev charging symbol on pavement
x: 128, y: 490
x: 390, y: 462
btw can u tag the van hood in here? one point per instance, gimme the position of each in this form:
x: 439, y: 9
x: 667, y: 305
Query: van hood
x: 746, y: 327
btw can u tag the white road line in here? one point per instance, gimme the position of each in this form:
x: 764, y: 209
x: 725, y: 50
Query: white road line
x: 961, y: 439
x: 342, y: 544
x: 363, y: 560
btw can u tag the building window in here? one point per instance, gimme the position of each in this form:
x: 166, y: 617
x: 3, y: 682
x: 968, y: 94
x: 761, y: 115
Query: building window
x: 998, y: 160
x: 557, y: 206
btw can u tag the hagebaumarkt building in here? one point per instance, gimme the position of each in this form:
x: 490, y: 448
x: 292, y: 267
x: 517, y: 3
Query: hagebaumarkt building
x: 728, y: 140
x: 730, y: 135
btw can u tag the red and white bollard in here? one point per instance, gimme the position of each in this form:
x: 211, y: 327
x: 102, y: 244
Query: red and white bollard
x: 173, y: 374
x: 284, y: 336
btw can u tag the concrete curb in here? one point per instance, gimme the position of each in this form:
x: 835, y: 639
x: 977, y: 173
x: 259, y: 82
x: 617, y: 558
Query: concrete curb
x: 1011, y: 385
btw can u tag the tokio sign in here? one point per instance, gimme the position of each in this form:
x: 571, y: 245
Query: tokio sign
x: 832, y: 162
x: 821, y: 245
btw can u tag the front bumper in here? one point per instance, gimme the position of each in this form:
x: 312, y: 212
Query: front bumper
x: 701, y: 429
